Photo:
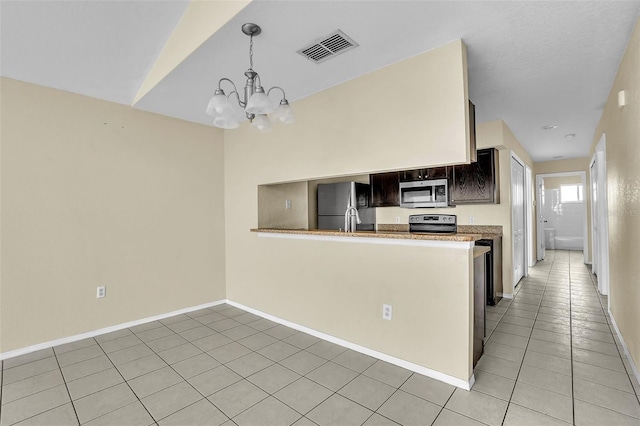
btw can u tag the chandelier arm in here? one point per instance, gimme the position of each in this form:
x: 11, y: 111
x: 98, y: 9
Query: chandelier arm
x: 284, y: 95
x: 226, y: 79
x: 235, y: 92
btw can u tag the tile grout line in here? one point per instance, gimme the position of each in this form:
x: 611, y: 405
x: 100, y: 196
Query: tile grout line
x: 606, y: 313
x: 222, y: 364
x: 65, y: 384
x: 445, y: 404
x: 343, y: 386
x: 336, y: 391
x: 168, y: 365
x: 187, y: 381
x: 385, y: 401
x: 528, y: 341
x: 245, y: 378
x: 125, y: 381
x: 573, y: 398
x: 1, y: 386
x: 284, y: 366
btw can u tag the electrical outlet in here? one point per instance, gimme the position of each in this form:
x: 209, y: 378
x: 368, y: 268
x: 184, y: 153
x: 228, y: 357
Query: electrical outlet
x: 471, y: 220
x: 387, y: 312
x: 287, y: 204
x: 101, y: 292
x: 397, y: 219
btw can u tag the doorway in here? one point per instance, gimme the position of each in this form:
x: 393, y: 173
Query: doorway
x: 562, y: 212
x: 599, y: 222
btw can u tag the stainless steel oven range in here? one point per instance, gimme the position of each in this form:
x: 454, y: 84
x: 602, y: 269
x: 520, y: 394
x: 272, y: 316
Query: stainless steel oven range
x: 433, y: 223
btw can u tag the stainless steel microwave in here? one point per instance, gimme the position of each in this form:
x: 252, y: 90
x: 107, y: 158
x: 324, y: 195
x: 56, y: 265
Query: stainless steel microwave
x: 424, y: 193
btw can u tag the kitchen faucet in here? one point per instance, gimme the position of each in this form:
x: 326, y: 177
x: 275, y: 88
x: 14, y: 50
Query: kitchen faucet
x: 347, y: 218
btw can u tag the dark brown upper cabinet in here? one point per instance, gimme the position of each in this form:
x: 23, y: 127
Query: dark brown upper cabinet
x: 423, y: 174
x: 437, y: 173
x: 385, y: 189
x: 476, y: 183
x: 410, y: 175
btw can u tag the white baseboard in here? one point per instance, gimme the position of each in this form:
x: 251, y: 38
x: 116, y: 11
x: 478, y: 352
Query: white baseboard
x: 52, y: 343
x: 506, y: 295
x: 633, y: 365
x: 464, y: 384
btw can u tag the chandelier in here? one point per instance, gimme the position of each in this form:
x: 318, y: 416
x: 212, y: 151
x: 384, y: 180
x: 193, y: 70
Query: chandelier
x: 255, y: 103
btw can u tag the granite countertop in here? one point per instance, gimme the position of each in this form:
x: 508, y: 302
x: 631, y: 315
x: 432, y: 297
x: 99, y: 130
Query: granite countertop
x: 487, y: 231
x: 404, y: 235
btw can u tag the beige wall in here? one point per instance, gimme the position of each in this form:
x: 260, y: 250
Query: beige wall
x: 622, y: 129
x: 96, y: 193
x: 339, y: 288
x: 490, y: 134
x: 272, y: 211
x: 345, y: 131
x: 562, y: 166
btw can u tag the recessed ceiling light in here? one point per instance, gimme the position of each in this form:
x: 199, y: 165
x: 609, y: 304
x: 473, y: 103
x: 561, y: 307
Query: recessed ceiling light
x: 570, y: 136
x: 549, y: 127
x: 558, y: 156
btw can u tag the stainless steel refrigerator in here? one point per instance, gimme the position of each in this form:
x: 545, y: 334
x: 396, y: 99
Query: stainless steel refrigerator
x: 335, y: 198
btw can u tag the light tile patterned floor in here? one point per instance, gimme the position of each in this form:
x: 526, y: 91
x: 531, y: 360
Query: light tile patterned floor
x: 550, y: 359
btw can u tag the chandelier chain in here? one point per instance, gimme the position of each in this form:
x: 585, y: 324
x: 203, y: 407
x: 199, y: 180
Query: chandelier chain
x: 251, y: 52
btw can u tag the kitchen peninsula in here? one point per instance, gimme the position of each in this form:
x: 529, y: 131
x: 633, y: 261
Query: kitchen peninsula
x: 432, y: 293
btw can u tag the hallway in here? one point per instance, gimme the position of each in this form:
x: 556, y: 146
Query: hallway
x: 553, y: 355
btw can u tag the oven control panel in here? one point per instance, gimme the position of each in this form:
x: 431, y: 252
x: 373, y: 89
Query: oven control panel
x: 433, y: 223
x: 449, y: 219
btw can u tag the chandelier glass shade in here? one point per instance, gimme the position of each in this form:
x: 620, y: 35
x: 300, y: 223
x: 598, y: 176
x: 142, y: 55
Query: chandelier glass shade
x: 255, y: 103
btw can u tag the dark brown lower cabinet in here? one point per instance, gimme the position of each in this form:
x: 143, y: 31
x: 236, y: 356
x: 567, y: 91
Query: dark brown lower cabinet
x: 385, y: 190
x: 476, y: 183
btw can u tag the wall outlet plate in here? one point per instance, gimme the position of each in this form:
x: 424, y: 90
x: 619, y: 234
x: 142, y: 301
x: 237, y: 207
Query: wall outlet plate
x: 471, y: 220
x: 397, y: 219
x: 101, y: 292
x: 387, y: 312
x: 287, y: 204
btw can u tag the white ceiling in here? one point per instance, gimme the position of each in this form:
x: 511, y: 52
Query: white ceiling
x: 531, y: 63
x: 102, y: 49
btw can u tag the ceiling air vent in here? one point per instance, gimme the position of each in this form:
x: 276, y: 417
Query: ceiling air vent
x: 328, y: 47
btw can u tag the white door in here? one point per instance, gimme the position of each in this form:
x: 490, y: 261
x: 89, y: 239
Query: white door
x: 517, y: 219
x: 599, y: 217
x: 541, y: 222
x: 594, y: 215
x: 528, y: 212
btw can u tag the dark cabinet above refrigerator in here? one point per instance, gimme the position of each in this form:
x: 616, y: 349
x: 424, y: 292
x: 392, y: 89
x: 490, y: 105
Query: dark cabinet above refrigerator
x: 476, y: 183
x: 385, y: 189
